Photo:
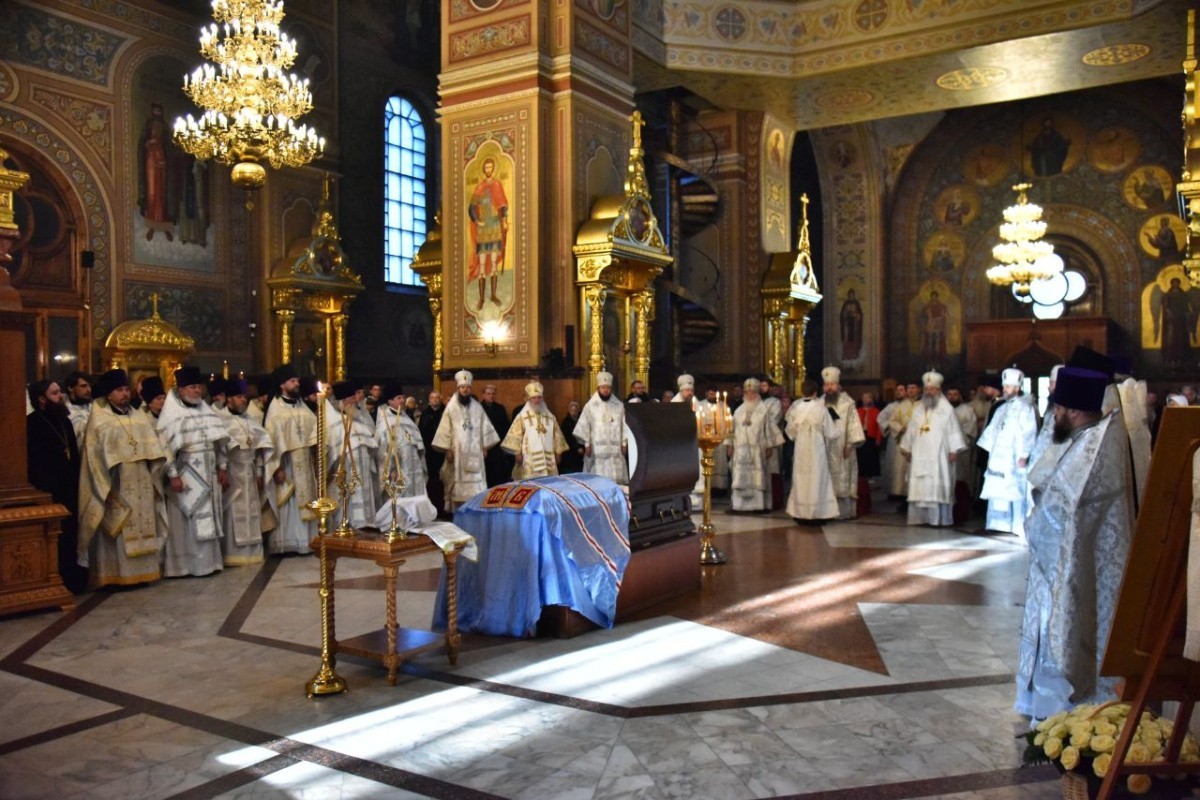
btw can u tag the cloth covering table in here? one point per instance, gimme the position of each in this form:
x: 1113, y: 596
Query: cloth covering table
x: 558, y: 540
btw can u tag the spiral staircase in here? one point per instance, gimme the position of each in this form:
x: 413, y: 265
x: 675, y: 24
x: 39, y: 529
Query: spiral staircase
x: 690, y: 203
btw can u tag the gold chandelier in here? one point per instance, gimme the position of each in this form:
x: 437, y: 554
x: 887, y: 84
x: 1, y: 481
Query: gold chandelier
x: 1023, y: 257
x: 250, y: 102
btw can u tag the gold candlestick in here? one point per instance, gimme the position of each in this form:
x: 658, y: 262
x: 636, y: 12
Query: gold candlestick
x: 347, y: 477
x: 710, y: 436
x: 326, y: 681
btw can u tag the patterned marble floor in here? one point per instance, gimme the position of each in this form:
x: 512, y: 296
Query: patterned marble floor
x: 855, y: 660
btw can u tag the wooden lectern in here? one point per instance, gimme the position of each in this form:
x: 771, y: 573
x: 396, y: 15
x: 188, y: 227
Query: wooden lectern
x: 29, y: 520
x: 1146, y: 643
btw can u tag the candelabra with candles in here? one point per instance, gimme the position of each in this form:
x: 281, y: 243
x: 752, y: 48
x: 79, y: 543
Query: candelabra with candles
x: 326, y: 681
x: 393, y: 481
x: 346, y: 477
x: 712, y: 429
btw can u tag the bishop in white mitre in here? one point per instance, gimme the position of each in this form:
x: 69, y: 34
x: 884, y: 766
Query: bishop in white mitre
x: 465, y: 434
x: 843, y: 462
x: 808, y: 424
x: 687, y: 394
x: 932, y: 444
x: 1009, y: 439
x: 753, y: 437
x: 534, y: 438
x: 601, y: 429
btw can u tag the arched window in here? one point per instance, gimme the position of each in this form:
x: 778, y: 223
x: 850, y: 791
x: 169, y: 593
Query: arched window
x: 403, y: 190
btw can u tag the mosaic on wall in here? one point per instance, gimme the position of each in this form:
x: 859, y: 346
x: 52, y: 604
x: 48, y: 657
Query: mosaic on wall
x: 56, y: 44
x: 171, y: 220
x: 199, y: 313
x: 1101, y: 170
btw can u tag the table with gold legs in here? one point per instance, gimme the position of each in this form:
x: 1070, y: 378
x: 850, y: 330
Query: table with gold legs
x: 393, y: 644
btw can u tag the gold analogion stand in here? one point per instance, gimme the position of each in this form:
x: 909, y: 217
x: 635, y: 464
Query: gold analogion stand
x: 712, y: 429
x: 326, y: 681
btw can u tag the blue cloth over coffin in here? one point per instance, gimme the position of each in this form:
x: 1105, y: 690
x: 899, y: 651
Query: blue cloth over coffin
x: 560, y: 540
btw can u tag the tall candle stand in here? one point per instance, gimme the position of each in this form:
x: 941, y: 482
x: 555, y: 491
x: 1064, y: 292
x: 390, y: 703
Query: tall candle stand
x: 711, y: 431
x: 326, y: 681
x: 347, y: 477
x: 393, y: 482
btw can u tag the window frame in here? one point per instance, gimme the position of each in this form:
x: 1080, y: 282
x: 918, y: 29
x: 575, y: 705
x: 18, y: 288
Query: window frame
x: 405, y: 193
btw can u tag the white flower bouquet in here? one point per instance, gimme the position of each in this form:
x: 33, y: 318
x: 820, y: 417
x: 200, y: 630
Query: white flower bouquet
x: 1082, y: 740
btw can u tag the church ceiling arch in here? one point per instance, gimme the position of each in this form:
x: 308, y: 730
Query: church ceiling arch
x: 816, y: 64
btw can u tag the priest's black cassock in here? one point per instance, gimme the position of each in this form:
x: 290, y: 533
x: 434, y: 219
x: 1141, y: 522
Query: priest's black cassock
x: 428, y: 424
x: 572, y: 460
x: 499, y: 464
x: 54, y: 468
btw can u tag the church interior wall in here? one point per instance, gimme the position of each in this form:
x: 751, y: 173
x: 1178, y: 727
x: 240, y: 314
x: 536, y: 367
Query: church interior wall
x: 391, y: 330
x: 80, y: 82
x: 1108, y: 194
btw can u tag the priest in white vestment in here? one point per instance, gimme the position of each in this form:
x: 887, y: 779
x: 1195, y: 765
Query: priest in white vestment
x: 196, y: 440
x: 775, y: 462
x: 351, y: 465
x: 401, y: 450
x: 687, y: 394
x: 893, y: 419
x: 122, y: 513
x: 249, y: 449
x: 601, y: 430
x: 534, y: 438
x: 291, y: 466
x: 1079, y: 534
x: 809, y: 425
x: 465, y: 434
x: 843, y: 461
x: 932, y: 445
x: 753, y: 437
x: 1134, y: 414
x: 78, y: 388
x: 1009, y: 439
x: 964, y: 466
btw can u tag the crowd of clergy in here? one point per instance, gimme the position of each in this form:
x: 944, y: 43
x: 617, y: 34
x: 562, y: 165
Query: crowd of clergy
x: 213, y: 473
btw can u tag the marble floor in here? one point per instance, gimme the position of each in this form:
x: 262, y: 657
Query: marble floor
x: 856, y: 660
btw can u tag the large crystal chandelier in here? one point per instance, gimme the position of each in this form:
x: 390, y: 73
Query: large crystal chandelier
x: 250, y: 102
x: 1023, y: 257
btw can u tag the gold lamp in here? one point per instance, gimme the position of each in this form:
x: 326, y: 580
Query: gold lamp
x: 250, y: 102
x: 1023, y: 257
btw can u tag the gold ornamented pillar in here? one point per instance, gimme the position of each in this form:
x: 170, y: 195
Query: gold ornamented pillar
x: 618, y: 254
x: 311, y: 291
x: 427, y: 264
x: 286, y: 318
x: 339, y: 346
x: 789, y: 294
x: 1189, y: 185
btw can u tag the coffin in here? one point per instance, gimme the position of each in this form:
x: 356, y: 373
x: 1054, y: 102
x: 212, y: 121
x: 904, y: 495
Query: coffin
x: 664, y: 466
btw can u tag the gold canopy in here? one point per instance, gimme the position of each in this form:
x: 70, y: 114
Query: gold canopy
x: 789, y: 293
x: 150, y: 346
x: 314, y: 284
x: 619, y: 252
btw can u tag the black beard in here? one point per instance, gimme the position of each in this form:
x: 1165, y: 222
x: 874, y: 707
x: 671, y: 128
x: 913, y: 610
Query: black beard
x: 55, y: 410
x: 1062, y: 432
x: 956, y: 403
x: 465, y: 399
x: 831, y: 398
x: 291, y: 394
x: 83, y: 402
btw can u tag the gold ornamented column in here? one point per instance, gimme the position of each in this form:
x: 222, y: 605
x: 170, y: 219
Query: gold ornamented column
x: 618, y: 254
x: 789, y: 294
x: 1189, y: 186
x: 339, y: 346
x: 287, y: 318
x: 427, y: 264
